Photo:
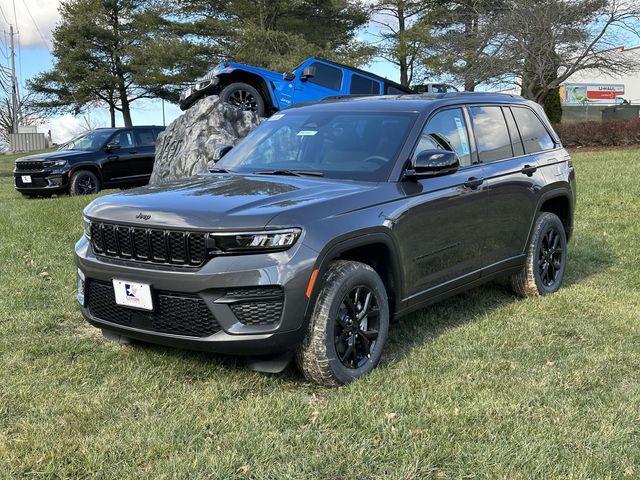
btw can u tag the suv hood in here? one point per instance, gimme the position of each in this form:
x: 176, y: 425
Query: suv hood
x: 225, y: 201
x: 56, y: 155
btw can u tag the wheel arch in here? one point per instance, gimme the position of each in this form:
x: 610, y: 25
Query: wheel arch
x: 87, y: 166
x: 559, y: 203
x: 249, y: 78
x: 374, y: 248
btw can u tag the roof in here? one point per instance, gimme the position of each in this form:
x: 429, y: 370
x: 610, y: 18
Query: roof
x: 368, y: 74
x: 406, y: 103
x: 135, y: 127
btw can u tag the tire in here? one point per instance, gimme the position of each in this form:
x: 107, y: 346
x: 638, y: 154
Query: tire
x: 331, y: 331
x: 84, y: 182
x: 546, y: 259
x: 244, y: 96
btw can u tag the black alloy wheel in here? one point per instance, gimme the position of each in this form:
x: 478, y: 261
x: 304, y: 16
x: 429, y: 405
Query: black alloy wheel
x: 243, y: 99
x: 356, y: 327
x: 550, y: 257
x: 84, y: 182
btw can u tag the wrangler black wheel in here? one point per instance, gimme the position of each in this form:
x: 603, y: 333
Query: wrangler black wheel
x: 244, y: 96
x: 348, y: 327
x: 546, y: 258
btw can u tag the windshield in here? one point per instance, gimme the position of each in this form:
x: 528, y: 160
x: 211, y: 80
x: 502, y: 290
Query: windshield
x: 344, y: 145
x: 88, y: 141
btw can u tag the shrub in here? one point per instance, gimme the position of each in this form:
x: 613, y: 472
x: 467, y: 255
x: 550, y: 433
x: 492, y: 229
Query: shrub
x: 553, y: 106
x: 613, y: 133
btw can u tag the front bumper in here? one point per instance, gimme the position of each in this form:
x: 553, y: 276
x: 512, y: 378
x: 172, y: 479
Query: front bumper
x: 198, y: 90
x: 211, y: 286
x: 45, y: 181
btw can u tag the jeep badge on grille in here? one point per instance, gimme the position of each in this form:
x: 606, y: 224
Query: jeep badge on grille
x: 143, y: 216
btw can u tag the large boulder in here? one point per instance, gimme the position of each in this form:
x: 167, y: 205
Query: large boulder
x: 186, y: 147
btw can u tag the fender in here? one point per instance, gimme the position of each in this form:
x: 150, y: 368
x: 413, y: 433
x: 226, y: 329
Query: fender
x: 94, y: 167
x: 554, y: 192
x: 245, y: 75
x: 352, y: 240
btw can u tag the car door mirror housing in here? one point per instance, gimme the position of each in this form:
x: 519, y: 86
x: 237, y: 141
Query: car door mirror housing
x: 433, y: 163
x: 111, y: 147
x: 308, y: 73
x: 220, y: 152
x: 288, y: 76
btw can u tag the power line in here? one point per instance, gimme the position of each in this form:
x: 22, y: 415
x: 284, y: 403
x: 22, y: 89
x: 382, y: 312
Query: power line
x: 3, y: 15
x: 35, y: 24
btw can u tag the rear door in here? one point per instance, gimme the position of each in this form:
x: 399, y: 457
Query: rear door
x: 512, y: 151
x: 442, y: 235
x: 327, y: 81
x: 146, y: 147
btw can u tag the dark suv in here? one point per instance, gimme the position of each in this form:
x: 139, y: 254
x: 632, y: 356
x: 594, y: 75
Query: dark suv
x: 101, y: 158
x: 326, y: 222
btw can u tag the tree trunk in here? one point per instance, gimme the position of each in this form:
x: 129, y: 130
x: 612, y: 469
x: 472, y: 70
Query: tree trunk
x: 126, y: 109
x: 112, y: 114
x: 402, y: 47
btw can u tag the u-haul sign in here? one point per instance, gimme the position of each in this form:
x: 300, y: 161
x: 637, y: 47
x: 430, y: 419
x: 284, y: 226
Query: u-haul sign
x: 588, y: 93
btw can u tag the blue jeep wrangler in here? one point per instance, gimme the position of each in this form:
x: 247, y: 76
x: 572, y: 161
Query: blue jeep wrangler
x: 265, y: 92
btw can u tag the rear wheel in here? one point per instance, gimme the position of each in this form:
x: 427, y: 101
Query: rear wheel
x: 244, y: 96
x: 348, y: 328
x: 546, y: 258
x: 84, y: 182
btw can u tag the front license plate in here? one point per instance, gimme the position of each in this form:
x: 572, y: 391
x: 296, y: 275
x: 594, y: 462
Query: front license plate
x: 132, y: 294
x: 26, y: 178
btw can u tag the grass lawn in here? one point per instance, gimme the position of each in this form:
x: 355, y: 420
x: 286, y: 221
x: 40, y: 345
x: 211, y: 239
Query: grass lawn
x: 483, y: 385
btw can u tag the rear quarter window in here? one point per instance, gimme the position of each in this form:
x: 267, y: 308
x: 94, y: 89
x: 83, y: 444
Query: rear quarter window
x: 535, y: 136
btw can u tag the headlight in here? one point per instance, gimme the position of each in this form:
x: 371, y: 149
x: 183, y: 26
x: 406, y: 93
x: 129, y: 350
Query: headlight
x: 56, y: 163
x: 86, y: 223
x: 273, y: 241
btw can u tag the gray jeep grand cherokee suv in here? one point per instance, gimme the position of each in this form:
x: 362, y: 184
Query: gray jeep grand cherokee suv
x: 326, y: 222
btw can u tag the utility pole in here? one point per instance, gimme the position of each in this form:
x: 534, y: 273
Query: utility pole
x: 15, y: 99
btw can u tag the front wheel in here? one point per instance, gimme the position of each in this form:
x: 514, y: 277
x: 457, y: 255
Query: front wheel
x: 84, y: 182
x: 348, y: 328
x: 244, y: 96
x: 546, y: 258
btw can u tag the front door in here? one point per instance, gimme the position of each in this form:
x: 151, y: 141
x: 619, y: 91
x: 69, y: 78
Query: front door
x: 327, y: 80
x: 442, y: 234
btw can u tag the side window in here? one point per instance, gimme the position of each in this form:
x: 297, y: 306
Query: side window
x: 326, y: 76
x: 145, y: 138
x: 534, y: 136
x: 363, y: 85
x: 124, y: 139
x: 448, y: 129
x: 391, y: 90
x: 492, y: 137
x: 516, y: 141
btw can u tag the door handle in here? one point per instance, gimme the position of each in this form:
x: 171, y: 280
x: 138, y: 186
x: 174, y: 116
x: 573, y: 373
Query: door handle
x: 133, y: 152
x: 529, y: 170
x: 473, y: 182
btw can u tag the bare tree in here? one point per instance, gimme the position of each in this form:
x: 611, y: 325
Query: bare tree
x: 550, y: 40
x: 28, y: 111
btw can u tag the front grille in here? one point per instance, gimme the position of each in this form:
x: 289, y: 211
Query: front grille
x: 148, y: 245
x: 175, y: 313
x: 256, y: 305
x: 28, y: 166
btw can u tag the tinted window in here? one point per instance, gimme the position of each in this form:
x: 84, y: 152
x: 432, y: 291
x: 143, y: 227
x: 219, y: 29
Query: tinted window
x: 362, y: 85
x: 348, y: 145
x: 394, y: 91
x: 145, y: 138
x: 124, y: 139
x: 516, y: 141
x: 492, y: 137
x: 447, y: 129
x: 327, y: 76
x: 534, y: 136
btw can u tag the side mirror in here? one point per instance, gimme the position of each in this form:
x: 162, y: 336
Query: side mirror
x: 433, y: 163
x: 288, y: 76
x: 111, y: 147
x: 220, y: 152
x: 308, y: 73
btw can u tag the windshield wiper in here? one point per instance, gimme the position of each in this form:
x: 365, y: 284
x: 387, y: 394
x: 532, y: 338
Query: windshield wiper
x: 294, y: 173
x: 218, y: 170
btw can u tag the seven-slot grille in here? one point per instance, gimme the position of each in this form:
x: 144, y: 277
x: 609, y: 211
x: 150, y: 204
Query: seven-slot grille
x: 148, y: 245
x: 28, y: 166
